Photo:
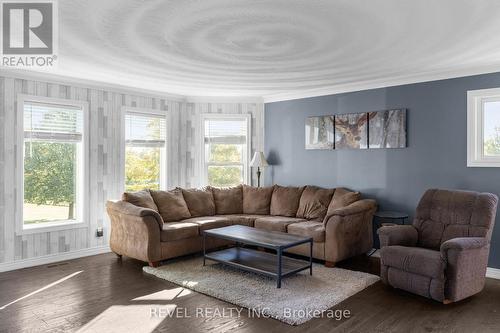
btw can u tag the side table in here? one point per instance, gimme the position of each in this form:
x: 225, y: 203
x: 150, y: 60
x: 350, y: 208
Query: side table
x: 392, y: 217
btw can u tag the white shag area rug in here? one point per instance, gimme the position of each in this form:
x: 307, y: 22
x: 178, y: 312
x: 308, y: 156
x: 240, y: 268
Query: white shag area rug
x: 300, y: 298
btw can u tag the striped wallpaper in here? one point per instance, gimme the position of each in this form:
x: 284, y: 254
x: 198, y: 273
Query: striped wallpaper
x: 105, y: 112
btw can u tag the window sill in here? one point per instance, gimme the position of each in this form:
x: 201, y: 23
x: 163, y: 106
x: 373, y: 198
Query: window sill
x: 483, y: 163
x: 49, y: 227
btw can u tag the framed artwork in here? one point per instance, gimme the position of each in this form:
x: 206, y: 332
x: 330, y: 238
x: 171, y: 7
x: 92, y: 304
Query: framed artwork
x: 351, y: 131
x: 319, y: 132
x: 387, y: 129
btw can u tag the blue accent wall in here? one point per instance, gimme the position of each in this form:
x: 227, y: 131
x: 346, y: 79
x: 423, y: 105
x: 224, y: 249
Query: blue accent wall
x: 436, y: 156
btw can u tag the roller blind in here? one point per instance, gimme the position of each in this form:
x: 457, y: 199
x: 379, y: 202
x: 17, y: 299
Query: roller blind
x: 145, y: 130
x: 52, y: 122
x: 222, y: 131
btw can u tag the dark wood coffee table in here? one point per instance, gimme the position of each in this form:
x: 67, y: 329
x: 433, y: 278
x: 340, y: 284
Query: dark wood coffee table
x: 273, y: 265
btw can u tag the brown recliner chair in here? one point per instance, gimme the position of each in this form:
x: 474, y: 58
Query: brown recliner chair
x: 444, y: 254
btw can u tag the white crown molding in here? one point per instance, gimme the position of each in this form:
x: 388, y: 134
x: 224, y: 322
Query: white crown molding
x: 84, y: 83
x: 493, y: 273
x: 381, y: 83
x: 101, y: 85
x: 224, y: 99
x: 52, y: 258
x: 278, y: 97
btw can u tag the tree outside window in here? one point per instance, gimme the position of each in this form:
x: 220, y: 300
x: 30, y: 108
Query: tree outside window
x: 52, y: 162
x: 145, y: 150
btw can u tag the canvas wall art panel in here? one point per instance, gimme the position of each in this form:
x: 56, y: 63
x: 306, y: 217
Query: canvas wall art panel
x: 351, y: 131
x: 319, y: 132
x: 387, y: 129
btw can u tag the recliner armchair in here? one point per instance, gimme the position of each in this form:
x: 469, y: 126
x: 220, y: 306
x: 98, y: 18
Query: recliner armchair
x: 444, y: 254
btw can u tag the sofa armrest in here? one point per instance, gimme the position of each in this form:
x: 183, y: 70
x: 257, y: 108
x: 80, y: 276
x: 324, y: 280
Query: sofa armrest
x: 404, y: 235
x: 464, y: 243
x: 135, y: 231
x: 349, y: 230
x: 357, y: 207
x: 467, y: 260
x: 126, y: 208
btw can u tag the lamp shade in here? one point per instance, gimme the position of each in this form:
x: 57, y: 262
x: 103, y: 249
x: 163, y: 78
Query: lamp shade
x: 258, y: 160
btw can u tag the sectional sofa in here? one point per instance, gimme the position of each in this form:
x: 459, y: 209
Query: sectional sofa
x: 157, y: 225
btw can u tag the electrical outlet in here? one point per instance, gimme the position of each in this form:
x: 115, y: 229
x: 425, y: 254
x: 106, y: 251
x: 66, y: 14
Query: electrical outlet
x: 99, y: 232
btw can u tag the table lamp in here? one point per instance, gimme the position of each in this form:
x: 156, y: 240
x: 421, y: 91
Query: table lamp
x: 258, y: 161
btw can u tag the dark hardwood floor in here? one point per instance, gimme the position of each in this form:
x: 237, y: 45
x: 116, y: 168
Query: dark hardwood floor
x: 94, y: 288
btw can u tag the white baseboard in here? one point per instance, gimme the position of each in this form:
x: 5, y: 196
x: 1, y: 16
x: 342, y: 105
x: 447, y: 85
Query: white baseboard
x: 51, y: 258
x: 493, y: 273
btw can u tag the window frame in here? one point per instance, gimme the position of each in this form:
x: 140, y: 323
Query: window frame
x: 219, y: 116
x: 82, y: 193
x: 475, y: 127
x: 163, y: 166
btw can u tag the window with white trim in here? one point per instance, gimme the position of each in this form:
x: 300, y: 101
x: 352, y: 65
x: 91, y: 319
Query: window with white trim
x: 145, y: 150
x: 483, y: 128
x: 53, y: 162
x: 226, y: 149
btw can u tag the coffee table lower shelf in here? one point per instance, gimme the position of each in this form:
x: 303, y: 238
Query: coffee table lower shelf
x: 259, y: 262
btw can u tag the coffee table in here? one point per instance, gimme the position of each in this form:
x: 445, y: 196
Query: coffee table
x: 273, y: 265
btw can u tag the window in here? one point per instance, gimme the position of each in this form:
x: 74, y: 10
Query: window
x: 483, y: 128
x: 53, y: 161
x: 145, y: 150
x: 226, y: 149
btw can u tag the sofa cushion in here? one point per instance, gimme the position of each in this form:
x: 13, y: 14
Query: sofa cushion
x: 314, y: 203
x: 276, y: 223
x: 257, y: 200
x: 209, y: 222
x: 171, y: 205
x: 342, y: 198
x: 243, y: 219
x: 313, y: 229
x: 141, y: 199
x: 285, y: 200
x: 178, y: 230
x: 199, y: 201
x: 415, y: 260
x: 228, y: 200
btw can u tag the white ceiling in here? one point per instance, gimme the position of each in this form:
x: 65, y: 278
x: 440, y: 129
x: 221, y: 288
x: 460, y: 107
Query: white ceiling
x: 275, y: 48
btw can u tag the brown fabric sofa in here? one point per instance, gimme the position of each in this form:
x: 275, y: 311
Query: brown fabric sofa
x: 157, y: 225
x: 444, y: 254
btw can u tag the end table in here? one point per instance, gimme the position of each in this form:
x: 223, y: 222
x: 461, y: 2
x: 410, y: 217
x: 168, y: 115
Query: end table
x: 388, y: 216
